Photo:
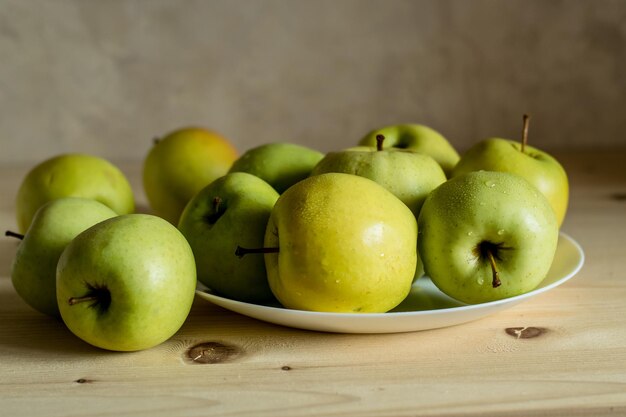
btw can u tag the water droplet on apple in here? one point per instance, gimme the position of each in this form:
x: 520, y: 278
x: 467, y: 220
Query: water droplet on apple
x: 500, y: 232
x: 337, y: 281
x: 480, y: 281
x: 470, y: 233
x: 490, y: 184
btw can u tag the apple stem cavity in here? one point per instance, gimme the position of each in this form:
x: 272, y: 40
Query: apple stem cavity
x: 218, y: 210
x: 379, y: 142
x: 217, y: 201
x: 526, y: 119
x: 489, y: 251
x: 240, y: 252
x: 99, y: 297
x: 495, y: 281
x: 13, y: 234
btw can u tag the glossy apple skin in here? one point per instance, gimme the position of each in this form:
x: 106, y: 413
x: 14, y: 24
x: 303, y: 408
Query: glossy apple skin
x: 55, y: 224
x: 419, y: 138
x: 73, y: 175
x: 147, y: 266
x: 180, y: 165
x: 246, y: 202
x: 346, y: 244
x: 537, y: 167
x: 408, y: 175
x: 279, y: 164
x: 486, y: 206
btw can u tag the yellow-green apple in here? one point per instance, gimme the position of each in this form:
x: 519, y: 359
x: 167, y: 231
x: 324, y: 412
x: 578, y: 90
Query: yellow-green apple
x: 486, y: 236
x: 340, y: 243
x: 73, y: 175
x: 231, y: 211
x: 279, y: 164
x: 536, y: 166
x: 55, y: 224
x: 419, y: 138
x: 126, y: 283
x: 181, y: 164
x: 409, y: 175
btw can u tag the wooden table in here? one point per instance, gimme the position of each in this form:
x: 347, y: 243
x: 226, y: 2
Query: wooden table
x: 577, y: 367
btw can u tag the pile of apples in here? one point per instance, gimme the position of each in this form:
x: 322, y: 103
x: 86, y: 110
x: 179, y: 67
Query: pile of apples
x: 349, y: 231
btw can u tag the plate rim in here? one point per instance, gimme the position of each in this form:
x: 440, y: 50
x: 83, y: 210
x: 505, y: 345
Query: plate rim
x: 415, y: 313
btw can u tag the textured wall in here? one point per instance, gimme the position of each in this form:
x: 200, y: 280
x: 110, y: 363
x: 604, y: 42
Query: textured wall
x: 106, y: 76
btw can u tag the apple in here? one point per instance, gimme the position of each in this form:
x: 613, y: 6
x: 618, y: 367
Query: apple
x: 409, y: 175
x: 279, y: 164
x: 181, y: 164
x: 126, y: 283
x: 54, y: 225
x: 231, y: 211
x: 486, y: 236
x: 536, y: 166
x: 419, y: 138
x: 340, y: 243
x: 72, y: 175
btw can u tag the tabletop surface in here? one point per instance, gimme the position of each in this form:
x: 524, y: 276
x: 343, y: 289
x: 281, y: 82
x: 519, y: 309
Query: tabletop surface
x: 222, y: 363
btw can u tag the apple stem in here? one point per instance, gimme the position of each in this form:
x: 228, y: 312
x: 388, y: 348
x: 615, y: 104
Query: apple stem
x: 526, y: 119
x: 217, y: 201
x: 13, y: 234
x: 379, y: 142
x: 241, y: 252
x: 495, y: 282
x: 76, y: 300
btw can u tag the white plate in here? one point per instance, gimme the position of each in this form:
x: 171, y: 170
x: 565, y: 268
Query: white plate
x: 425, y: 308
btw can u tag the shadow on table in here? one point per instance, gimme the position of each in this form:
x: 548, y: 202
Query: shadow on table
x: 30, y: 334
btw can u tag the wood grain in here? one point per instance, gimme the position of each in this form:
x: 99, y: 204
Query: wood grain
x: 562, y: 353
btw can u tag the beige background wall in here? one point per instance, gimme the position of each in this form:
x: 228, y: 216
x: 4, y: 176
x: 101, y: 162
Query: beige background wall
x: 106, y: 76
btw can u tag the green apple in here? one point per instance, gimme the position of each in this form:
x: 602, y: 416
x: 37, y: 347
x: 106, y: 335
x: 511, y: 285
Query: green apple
x: 231, y: 211
x: 486, y: 236
x: 73, y: 175
x: 126, y: 283
x: 180, y: 165
x: 419, y: 138
x: 536, y: 166
x: 55, y: 224
x: 279, y: 164
x: 342, y: 243
x: 409, y: 175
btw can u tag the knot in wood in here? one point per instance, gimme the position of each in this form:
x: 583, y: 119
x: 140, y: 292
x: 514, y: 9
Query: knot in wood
x: 525, y: 332
x: 83, y: 381
x: 213, y: 352
x: 618, y: 196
